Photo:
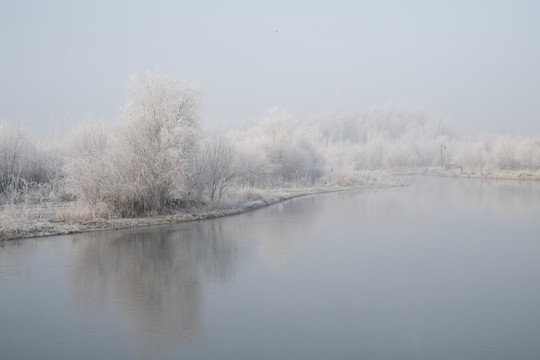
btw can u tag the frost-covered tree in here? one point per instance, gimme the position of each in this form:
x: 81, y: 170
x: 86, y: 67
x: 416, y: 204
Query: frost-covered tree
x: 503, y: 154
x: 473, y: 155
x: 13, y: 153
x: 156, y: 142
x: 528, y: 153
x: 293, y: 151
x: 24, y: 163
x: 254, y: 168
x: 141, y: 163
x: 89, y: 164
x: 194, y: 179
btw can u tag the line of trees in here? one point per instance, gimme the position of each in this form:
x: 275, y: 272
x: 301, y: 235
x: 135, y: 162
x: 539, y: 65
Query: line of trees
x: 155, y: 155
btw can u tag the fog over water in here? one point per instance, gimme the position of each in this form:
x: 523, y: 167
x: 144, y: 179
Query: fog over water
x: 472, y: 62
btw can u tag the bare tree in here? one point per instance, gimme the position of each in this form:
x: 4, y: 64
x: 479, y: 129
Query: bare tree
x: 222, y: 167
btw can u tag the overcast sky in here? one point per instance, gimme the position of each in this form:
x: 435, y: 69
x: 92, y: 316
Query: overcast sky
x: 476, y: 63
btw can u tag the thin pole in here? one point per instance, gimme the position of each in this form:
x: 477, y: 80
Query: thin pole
x: 442, y: 163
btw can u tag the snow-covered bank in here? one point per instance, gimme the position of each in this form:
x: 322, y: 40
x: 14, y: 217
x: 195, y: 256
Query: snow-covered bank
x: 28, y: 221
x: 503, y: 175
x: 492, y: 174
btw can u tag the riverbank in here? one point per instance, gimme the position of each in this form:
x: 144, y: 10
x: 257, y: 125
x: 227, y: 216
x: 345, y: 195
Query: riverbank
x: 471, y: 174
x: 20, y: 221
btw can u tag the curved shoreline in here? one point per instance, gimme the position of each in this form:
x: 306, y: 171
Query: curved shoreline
x: 53, y: 226
x: 28, y: 221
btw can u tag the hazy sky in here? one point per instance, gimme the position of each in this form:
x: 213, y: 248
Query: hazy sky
x: 474, y: 62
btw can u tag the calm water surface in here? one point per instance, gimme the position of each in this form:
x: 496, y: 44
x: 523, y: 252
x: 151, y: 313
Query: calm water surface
x: 441, y: 269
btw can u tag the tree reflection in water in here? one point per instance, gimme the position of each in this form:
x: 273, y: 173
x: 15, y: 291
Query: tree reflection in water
x: 153, y: 277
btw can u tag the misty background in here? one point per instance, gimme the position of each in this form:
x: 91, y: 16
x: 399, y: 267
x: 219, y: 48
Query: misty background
x: 473, y: 63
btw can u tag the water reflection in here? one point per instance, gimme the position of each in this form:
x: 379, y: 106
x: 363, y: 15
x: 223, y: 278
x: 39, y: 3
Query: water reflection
x: 15, y: 257
x: 432, y: 198
x: 405, y: 272
x: 153, y: 277
x: 275, y: 230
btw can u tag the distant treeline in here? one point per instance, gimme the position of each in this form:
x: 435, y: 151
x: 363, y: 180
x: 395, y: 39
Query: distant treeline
x: 155, y: 153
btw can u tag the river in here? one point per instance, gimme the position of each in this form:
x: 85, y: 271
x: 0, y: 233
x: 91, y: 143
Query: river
x: 443, y: 268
